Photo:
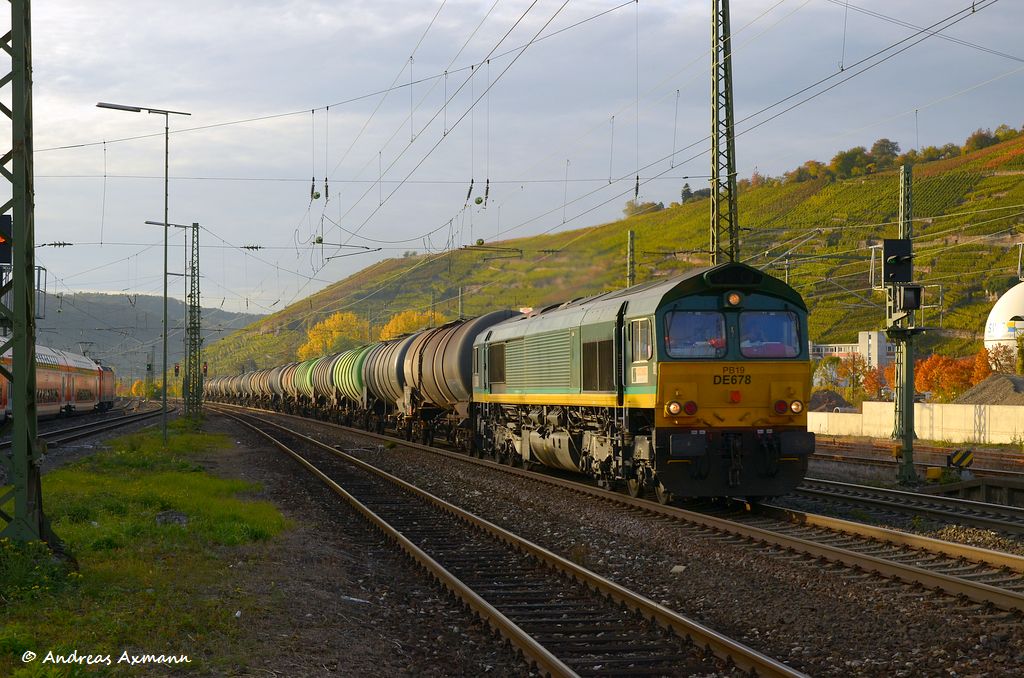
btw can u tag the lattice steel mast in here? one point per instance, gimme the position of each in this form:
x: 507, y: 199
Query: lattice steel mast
x: 22, y: 465
x: 725, y: 241
x: 193, y: 360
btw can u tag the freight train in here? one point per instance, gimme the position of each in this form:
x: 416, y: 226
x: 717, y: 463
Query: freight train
x: 693, y: 386
x: 65, y: 383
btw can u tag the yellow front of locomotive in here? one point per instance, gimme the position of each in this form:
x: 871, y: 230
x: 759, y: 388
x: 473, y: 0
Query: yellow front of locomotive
x: 734, y: 380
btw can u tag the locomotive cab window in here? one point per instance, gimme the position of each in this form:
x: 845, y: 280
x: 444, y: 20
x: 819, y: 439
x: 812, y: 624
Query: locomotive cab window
x: 695, y: 334
x: 643, y: 348
x: 769, y: 334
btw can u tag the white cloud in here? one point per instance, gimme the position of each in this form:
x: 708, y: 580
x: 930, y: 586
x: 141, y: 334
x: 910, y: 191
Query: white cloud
x: 226, y: 61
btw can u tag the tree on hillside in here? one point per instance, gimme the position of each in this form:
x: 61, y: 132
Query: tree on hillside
x: 634, y: 208
x: 851, y: 163
x: 981, y: 138
x: 982, y: 366
x: 409, y: 321
x: 335, y: 333
x: 686, y: 194
x: 1005, y: 133
x: 884, y: 153
x: 810, y: 170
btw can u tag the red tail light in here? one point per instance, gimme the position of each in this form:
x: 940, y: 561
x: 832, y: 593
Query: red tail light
x: 690, y: 408
x: 781, y: 407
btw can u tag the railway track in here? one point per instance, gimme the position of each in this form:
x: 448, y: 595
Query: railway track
x: 976, y: 574
x: 996, y: 517
x: 55, y: 437
x: 566, y: 620
x: 989, y: 463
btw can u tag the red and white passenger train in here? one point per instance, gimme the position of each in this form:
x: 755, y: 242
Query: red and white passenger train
x: 65, y: 383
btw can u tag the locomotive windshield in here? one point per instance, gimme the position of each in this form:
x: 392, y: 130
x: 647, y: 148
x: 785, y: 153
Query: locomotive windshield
x: 695, y: 334
x: 769, y: 334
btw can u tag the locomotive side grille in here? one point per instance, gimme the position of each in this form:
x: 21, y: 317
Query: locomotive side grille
x: 515, y: 365
x: 549, y: 358
x: 539, y: 361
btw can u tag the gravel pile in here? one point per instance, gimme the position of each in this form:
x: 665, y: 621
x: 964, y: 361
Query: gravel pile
x: 826, y: 401
x: 996, y: 389
x: 825, y: 620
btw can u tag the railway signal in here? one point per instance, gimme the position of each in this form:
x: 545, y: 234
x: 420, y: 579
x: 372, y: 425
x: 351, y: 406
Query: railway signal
x: 177, y: 369
x: 6, y: 238
x: 902, y: 299
x: 897, y: 260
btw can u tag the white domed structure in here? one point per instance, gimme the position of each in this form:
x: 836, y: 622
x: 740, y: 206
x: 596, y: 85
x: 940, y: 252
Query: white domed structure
x: 1000, y: 328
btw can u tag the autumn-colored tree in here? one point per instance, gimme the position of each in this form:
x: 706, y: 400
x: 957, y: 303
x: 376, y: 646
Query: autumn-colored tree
x: 955, y: 378
x: 890, y: 375
x: 981, y: 138
x: 874, y: 382
x: 409, y: 321
x: 852, y: 369
x: 944, y: 377
x: 138, y: 388
x: 926, y: 372
x: 1002, y: 359
x: 334, y: 333
x: 982, y: 366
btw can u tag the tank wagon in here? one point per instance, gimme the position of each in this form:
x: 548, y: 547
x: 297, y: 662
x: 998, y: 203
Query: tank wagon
x: 693, y: 386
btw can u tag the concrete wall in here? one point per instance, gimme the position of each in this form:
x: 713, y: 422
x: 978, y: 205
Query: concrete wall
x: 992, y: 424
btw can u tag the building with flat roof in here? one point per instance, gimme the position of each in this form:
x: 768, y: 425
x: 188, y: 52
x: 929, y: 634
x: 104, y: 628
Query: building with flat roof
x: 873, y: 346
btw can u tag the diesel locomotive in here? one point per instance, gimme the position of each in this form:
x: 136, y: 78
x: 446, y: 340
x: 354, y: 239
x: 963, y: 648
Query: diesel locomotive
x: 693, y: 386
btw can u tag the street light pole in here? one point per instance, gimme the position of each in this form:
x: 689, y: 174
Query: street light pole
x: 167, y: 156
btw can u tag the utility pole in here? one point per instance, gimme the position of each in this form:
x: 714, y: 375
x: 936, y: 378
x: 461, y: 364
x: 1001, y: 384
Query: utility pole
x: 902, y: 299
x: 724, y: 223
x: 193, y: 358
x: 630, y: 262
x: 22, y: 464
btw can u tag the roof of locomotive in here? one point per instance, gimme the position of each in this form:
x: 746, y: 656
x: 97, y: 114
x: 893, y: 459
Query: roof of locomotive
x: 644, y: 299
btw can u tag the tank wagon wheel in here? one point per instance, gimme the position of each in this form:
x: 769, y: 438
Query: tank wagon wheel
x: 634, y: 487
x: 661, y: 493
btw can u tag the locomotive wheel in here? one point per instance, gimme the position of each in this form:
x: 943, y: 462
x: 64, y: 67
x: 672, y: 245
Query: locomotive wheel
x: 662, y: 493
x: 634, y: 488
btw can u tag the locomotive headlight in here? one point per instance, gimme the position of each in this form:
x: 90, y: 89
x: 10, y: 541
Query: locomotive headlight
x: 674, y: 408
x: 733, y: 298
x: 796, y: 407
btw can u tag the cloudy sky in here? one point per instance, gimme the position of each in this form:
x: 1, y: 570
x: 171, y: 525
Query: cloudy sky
x: 571, y: 98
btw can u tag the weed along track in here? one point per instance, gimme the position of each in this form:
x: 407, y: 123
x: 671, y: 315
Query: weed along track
x: 564, y: 619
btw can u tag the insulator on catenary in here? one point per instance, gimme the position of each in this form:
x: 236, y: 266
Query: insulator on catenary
x: 312, y: 189
x: 470, y: 191
x: 636, y: 191
x: 487, y: 190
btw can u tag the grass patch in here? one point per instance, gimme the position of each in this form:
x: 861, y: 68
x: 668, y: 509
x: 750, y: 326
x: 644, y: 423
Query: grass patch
x: 153, y: 535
